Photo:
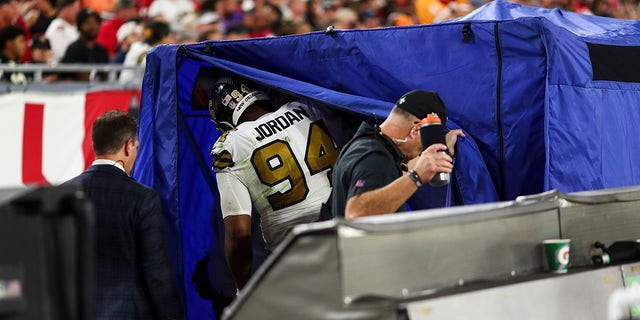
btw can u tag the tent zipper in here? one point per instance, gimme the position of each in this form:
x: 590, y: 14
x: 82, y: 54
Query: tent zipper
x: 501, y: 189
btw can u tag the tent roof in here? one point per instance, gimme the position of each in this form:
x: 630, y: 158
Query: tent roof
x: 624, y: 32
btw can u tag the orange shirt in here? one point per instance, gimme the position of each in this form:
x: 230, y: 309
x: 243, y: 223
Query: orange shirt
x: 430, y: 11
x: 99, y: 6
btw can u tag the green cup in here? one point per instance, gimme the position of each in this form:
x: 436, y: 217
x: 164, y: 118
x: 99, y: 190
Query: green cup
x: 556, y: 252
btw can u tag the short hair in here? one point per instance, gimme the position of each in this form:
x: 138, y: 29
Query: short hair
x: 155, y: 31
x: 406, y: 115
x: 84, y: 15
x: 111, y: 131
x: 8, y: 33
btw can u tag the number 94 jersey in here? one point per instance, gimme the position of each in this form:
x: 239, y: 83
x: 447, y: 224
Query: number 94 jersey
x: 281, y: 163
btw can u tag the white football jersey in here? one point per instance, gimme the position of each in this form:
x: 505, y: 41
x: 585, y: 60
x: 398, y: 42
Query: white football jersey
x: 280, y: 164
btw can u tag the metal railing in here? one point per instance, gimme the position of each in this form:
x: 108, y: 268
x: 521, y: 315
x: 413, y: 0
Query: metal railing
x: 38, y: 70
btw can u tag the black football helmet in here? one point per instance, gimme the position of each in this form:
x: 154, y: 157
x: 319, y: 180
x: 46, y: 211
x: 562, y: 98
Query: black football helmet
x: 229, y: 99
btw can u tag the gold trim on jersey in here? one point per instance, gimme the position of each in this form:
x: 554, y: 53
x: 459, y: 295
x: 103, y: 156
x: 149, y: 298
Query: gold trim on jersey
x: 222, y: 160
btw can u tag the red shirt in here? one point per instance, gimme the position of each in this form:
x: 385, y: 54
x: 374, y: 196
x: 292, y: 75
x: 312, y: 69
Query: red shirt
x: 107, y: 34
x: 262, y: 33
x: 26, y: 57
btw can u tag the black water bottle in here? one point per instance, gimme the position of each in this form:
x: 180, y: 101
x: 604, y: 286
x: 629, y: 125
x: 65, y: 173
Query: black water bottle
x: 618, y: 252
x: 431, y: 132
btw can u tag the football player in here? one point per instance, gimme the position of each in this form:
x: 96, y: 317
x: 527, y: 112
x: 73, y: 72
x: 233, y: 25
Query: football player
x: 276, y: 161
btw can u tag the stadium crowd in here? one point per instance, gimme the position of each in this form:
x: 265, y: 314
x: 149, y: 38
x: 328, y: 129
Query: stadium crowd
x: 120, y: 27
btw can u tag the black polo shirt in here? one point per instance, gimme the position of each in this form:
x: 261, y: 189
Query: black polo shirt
x: 368, y: 162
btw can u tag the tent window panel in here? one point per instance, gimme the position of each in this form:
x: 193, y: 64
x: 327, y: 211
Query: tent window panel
x: 202, y: 89
x: 615, y: 63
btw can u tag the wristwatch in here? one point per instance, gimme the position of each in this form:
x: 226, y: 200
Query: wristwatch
x: 414, y: 177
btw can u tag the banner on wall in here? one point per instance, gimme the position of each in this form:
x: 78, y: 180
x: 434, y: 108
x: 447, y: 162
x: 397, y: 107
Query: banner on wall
x: 46, y: 137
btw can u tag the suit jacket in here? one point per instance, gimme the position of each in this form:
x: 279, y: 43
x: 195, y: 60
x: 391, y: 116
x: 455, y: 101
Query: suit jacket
x: 133, y: 275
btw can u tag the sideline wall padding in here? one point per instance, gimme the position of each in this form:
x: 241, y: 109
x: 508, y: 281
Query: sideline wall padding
x: 382, y: 263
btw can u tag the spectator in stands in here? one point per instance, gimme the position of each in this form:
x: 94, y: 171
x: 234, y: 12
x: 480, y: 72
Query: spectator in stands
x: 171, y: 11
x: 99, y: 6
x: 41, y: 50
x: 368, y: 176
x: 41, y: 53
x: 230, y: 12
x: 303, y: 27
x: 369, y: 19
x: 206, y: 22
x: 62, y: 31
x: 10, y: 14
x: 12, y: 47
x: 133, y: 274
x: 155, y: 33
x: 128, y: 33
x: 211, y: 34
x: 262, y: 20
x: 601, y: 8
x: 560, y: 4
x: 125, y: 10
x: 631, y: 9
x: 236, y: 32
x: 431, y: 11
x: 85, y: 49
x: 185, y: 37
x: 345, y: 18
x: 320, y: 13
x: 400, y: 13
x: 12, y: 44
x: 39, y: 17
x: 299, y: 11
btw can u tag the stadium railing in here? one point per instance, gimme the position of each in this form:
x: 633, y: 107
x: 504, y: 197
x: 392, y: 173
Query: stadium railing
x: 38, y: 70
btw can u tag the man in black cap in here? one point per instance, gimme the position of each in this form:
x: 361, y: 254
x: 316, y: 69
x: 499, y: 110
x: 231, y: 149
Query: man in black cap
x: 40, y: 50
x: 41, y: 53
x: 369, y: 178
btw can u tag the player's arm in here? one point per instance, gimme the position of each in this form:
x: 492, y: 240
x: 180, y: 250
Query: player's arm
x: 237, y: 246
x: 235, y: 203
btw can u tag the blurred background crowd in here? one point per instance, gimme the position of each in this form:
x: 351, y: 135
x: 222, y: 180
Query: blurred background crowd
x: 121, y: 31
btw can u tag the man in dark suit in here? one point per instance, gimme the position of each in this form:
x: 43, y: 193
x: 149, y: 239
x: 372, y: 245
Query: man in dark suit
x: 133, y: 275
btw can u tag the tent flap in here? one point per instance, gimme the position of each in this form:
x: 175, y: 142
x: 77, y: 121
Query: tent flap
x: 541, y: 108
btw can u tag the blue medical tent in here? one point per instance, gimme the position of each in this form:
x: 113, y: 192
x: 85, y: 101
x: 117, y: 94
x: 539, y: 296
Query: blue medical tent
x: 548, y: 99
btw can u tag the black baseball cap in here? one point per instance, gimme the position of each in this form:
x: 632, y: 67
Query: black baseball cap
x: 420, y: 103
x: 40, y: 43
